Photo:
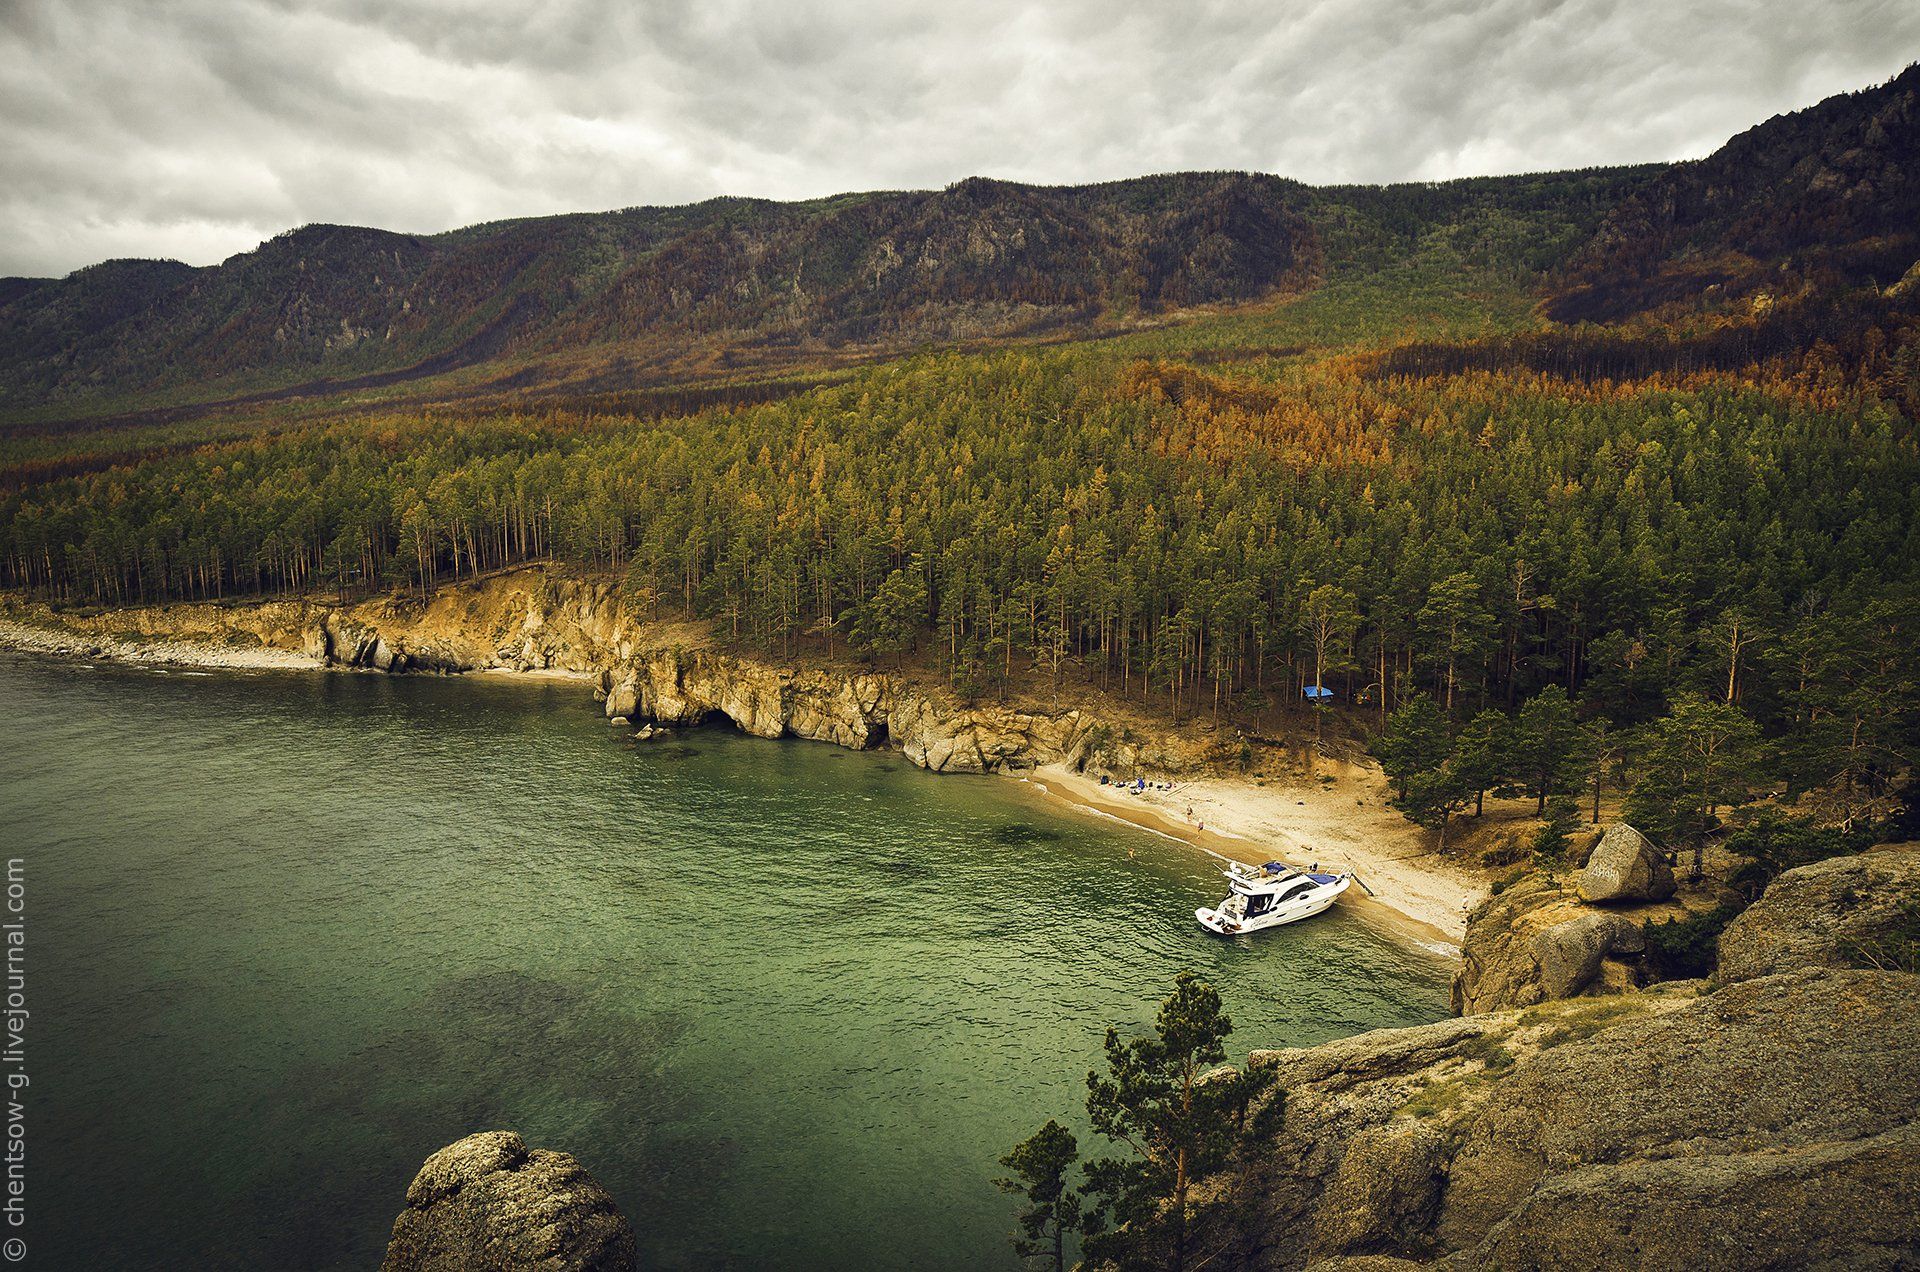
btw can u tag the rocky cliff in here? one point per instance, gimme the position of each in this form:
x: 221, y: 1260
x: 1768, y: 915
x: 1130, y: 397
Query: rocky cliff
x: 670, y: 673
x: 1845, y: 911
x: 1538, y: 941
x: 1764, y: 1119
x: 678, y: 685
x: 1768, y: 1125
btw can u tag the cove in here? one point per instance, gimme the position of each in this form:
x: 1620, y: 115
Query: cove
x: 288, y: 933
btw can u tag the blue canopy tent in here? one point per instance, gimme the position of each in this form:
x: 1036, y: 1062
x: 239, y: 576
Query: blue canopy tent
x: 1317, y: 694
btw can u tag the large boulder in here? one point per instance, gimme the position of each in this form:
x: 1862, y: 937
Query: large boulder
x: 1833, y: 913
x: 1534, y: 942
x: 1769, y: 1124
x: 488, y: 1203
x: 1625, y: 866
x: 623, y: 696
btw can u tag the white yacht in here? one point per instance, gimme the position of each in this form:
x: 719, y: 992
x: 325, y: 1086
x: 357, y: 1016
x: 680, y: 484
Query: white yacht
x: 1262, y: 897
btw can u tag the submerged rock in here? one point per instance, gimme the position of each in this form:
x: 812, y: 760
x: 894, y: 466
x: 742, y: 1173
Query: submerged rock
x: 1625, y: 867
x: 1833, y: 913
x: 488, y: 1203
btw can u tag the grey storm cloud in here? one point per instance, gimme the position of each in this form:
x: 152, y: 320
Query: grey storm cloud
x: 196, y: 128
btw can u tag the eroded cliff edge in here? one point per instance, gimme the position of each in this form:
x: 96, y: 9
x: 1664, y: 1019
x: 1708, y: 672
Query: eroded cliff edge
x: 670, y: 672
x: 1763, y: 1118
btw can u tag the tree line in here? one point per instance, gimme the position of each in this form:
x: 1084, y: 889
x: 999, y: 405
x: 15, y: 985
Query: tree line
x: 1210, y: 540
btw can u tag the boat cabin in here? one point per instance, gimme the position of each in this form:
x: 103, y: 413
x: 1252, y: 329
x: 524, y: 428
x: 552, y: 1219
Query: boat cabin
x: 1259, y: 889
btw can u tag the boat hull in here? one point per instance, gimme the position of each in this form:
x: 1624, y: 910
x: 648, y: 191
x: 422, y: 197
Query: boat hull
x: 1292, y: 912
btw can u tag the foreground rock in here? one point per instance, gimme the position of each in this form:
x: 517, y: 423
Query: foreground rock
x: 1833, y: 913
x: 1771, y: 1124
x: 1624, y: 866
x: 488, y: 1203
x: 1536, y: 942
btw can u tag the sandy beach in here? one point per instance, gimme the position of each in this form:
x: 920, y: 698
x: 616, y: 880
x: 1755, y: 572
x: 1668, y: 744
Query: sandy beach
x: 1347, y: 826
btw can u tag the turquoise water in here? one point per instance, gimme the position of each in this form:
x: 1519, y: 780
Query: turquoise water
x: 289, y: 933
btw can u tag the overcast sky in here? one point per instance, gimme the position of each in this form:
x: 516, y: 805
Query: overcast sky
x: 196, y: 128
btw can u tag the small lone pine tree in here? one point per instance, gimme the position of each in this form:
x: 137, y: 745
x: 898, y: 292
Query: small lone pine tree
x: 1040, y: 1165
x: 1551, y: 843
x: 1162, y: 1099
x: 1181, y: 1118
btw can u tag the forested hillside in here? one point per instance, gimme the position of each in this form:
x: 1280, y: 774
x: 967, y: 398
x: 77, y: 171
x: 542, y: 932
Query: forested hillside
x: 1684, y: 549
x: 1824, y: 196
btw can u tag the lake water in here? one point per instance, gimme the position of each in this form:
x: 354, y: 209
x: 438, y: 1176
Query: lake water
x: 289, y: 933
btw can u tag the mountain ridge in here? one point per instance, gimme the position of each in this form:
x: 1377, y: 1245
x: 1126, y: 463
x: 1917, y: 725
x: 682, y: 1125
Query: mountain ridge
x: 647, y: 296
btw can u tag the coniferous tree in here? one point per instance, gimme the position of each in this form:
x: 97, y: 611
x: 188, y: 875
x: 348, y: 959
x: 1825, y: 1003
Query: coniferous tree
x: 1556, y: 836
x: 1181, y: 1119
x: 1482, y: 755
x: 1054, y: 1211
x: 1414, y: 744
x: 1696, y: 759
x: 1329, y: 616
x: 1548, y: 745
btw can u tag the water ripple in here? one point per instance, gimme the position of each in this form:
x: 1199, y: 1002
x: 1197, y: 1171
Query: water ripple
x: 789, y: 1003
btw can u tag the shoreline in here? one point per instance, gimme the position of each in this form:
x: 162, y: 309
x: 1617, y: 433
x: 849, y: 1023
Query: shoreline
x: 26, y: 638
x: 1424, y: 904
x: 1251, y: 820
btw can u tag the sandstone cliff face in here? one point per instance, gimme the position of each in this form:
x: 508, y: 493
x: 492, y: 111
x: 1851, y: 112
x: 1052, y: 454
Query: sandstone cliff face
x: 669, y: 673
x: 680, y: 686
x: 1770, y: 1124
x: 488, y: 1203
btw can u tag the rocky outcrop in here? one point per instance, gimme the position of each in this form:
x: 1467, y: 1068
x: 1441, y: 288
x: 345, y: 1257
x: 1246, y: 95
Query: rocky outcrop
x: 661, y: 672
x: 1536, y: 942
x: 1832, y: 913
x: 682, y: 685
x: 1624, y: 866
x: 1770, y: 1124
x: 488, y: 1203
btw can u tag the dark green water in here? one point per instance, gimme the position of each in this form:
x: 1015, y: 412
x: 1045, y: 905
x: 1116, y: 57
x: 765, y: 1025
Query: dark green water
x: 289, y: 933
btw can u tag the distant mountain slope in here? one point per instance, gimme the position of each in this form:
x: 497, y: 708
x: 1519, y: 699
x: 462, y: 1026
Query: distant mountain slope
x: 607, y: 302
x: 980, y: 258
x: 1823, y: 195
x: 601, y: 302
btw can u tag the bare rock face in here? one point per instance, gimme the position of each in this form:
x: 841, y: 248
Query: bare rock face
x: 1769, y: 1124
x: 344, y: 641
x: 1624, y: 866
x: 489, y: 1204
x: 949, y: 738
x: 1534, y: 942
x: 1828, y: 914
x: 683, y: 686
